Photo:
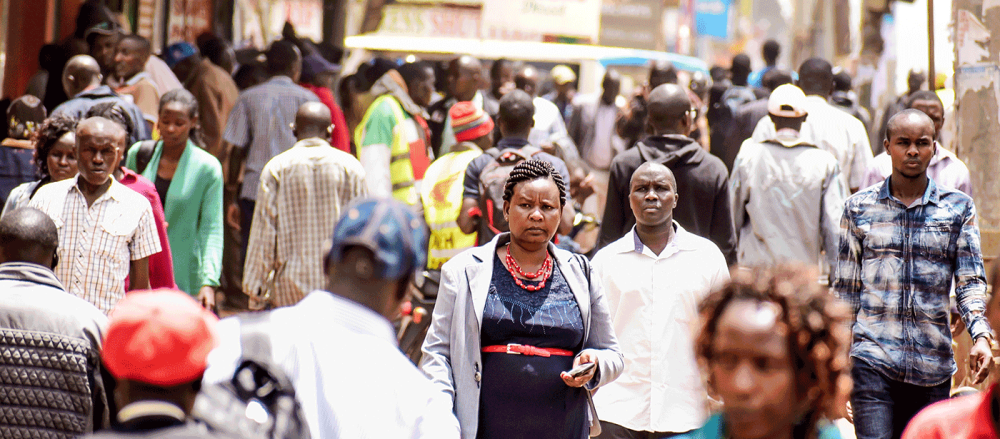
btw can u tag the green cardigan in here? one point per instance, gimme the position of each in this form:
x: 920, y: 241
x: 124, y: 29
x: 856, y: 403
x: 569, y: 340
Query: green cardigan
x: 193, y: 210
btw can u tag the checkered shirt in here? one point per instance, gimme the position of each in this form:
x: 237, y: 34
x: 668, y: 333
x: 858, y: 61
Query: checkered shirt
x: 303, y: 192
x: 98, y: 243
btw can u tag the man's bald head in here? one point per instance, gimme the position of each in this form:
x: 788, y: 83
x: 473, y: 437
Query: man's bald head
x: 313, y: 120
x: 81, y: 73
x: 100, y: 126
x: 527, y: 79
x: 656, y: 168
x: 28, y: 235
x: 517, y: 114
x: 662, y: 72
x: 668, y: 106
x: 464, y: 75
x: 907, y: 118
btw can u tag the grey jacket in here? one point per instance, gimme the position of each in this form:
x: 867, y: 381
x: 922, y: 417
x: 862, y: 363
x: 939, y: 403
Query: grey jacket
x: 452, y: 352
x: 50, y: 342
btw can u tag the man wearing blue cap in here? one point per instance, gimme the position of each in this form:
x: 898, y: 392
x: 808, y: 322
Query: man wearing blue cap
x: 338, y: 347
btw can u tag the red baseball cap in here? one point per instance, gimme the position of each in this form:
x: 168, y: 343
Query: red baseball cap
x: 159, y: 337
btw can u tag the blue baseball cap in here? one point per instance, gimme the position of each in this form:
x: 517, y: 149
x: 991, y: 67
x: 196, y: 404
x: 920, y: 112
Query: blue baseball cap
x: 178, y: 52
x: 390, y: 229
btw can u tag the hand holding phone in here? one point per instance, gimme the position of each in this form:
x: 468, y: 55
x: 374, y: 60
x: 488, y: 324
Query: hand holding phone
x: 582, y: 370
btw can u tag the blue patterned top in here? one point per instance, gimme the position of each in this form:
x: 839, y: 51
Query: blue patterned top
x: 525, y: 388
x: 895, y: 269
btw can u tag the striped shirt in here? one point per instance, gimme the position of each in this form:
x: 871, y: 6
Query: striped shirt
x: 261, y: 120
x: 303, y: 192
x: 98, y: 243
x: 895, y: 269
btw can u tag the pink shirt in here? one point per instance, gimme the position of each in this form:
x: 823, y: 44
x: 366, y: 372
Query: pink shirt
x: 161, y: 265
x: 945, y: 169
x: 957, y: 418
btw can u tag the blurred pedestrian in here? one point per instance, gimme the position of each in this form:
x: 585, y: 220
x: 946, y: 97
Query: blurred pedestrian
x: 259, y: 128
x: 302, y: 193
x: 189, y: 183
x: 736, y: 93
x: 212, y: 87
x: 52, y: 338
x: 107, y: 231
x: 161, y: 268
x: 632, y: 125
x: 787, y: 194
x: 24, y: 116
x: 945, y: 168
x: 218, y: 51
x: 592, y: 128
x: 131, y: 55
x: 536, y: 314
x: 463, y: 78
x: 845, y: 98
x: 82, y: 82
x: 54, y: 159
x: 915, y: 81
x: 393, y: 138
x: 904, y: 244
x: 516, y: 116
x: 770, y: 52
x: 564, y: 79
x: 774, y: 346
x: 654, y: 278
x: 156, y: 347
x: 377, y: 245
x: 549, y: 131
x: 747, y: 117
x: 501, y: 82
x: 51, y: 60
x: 832, y: 129
x: 703, y: 195
x: 102, y: 39
x: 319, y: 77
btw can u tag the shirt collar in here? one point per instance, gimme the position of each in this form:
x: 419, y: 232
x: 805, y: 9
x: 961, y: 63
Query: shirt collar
x: 145, y: 409
x: 351, y: 315
x: 28, y: 272
x: 931, y: 193
x: 282, y: 79
x: 509, y: 142
x: 312, y: 141
x: 941, y: 154
x: 112, y: 191
x: 136, y: 78
x: 680, y: 242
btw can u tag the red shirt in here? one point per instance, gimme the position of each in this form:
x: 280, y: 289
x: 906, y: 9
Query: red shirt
x: 161, y: 265
x: 966, y: 417
x: 340, y: 138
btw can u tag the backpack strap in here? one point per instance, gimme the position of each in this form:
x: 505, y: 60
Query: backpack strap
x: 144, y: 155
x: 255, y: 341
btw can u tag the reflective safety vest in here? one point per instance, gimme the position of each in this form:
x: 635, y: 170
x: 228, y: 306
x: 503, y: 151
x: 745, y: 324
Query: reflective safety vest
x: 441, y: 194
x: 407, y: 147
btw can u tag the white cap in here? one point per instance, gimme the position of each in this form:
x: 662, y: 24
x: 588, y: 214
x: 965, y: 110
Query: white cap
x: 787, y: 101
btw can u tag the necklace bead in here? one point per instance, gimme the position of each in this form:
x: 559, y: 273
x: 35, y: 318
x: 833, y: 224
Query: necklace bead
x: 514, y: 269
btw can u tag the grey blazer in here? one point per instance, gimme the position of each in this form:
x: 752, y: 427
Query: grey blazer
x: 452, y: 357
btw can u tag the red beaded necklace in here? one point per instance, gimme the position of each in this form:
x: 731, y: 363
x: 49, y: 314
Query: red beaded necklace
x: 514, y: 269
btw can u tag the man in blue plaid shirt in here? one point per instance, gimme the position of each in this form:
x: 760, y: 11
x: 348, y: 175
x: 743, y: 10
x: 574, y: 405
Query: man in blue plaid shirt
x: 902, y: 243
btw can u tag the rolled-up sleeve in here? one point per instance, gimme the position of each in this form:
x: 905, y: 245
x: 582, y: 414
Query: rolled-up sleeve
x: 970, y: 276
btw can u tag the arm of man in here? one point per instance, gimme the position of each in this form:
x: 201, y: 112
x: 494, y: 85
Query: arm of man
x: 374, y: 142
x: 144, y: 243
x: 263, y: 234
x: 847, y: 282
x: 138, y: 274
x: 970, y: 294
x: 466, y: 222
x: 234, y: 177
x: 834, y: 195
x: 237, y: 137
x: 470, y: 196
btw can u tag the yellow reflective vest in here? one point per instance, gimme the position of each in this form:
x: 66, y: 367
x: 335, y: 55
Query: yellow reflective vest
x: 441, y: 194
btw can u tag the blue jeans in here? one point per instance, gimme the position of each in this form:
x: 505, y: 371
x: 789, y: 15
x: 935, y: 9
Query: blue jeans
x: 882, y: 406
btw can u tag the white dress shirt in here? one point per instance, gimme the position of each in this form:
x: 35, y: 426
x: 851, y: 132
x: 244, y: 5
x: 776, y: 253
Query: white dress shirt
x: 349, y: 375
x: 653, y: 301
x: 834, y: 131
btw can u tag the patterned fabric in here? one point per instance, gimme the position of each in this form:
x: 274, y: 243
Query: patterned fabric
x: 895, y: 269
x: 261, y: 121
x: 303, y: 192
x: 98, y: 243
x: 469, y: 122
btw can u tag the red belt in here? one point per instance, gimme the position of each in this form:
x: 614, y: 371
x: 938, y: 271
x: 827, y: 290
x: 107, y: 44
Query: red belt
x: 523, y: 349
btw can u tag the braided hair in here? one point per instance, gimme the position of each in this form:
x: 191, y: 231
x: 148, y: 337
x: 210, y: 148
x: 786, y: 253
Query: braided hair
x: 531, y: 170
x: 816, y: 323
x: 116, y: 113
x: 51, y: 130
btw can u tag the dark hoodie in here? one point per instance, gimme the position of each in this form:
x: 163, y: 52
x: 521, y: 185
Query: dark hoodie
x: 703, y: 206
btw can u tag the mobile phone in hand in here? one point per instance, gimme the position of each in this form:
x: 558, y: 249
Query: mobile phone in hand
x: 582, y: 370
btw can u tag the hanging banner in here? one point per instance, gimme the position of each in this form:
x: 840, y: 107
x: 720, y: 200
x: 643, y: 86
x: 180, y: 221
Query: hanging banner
x: 188, y: 19
x: 712, y: 18
x: 535, y: 20
x: 430, y: 21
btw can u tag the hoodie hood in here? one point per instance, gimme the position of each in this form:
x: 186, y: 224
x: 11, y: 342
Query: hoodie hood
x: 392, y: 84
x: 671, y: 150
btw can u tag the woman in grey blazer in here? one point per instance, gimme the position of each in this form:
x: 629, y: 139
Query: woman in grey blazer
x: 513, y: 316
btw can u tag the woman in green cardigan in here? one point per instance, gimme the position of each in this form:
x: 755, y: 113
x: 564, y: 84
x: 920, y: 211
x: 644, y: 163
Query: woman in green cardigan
x: 189, y: 182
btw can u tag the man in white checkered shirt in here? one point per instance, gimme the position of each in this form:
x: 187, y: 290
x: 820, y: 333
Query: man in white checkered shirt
x: 106, y: 230
x: 302, y: 193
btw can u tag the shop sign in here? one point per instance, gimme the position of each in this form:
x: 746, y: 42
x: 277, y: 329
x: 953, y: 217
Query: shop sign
x: 533, y: 19
x: 430, y: 21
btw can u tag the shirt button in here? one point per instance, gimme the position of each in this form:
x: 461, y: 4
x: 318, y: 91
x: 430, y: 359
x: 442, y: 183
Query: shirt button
x: 479, y: 377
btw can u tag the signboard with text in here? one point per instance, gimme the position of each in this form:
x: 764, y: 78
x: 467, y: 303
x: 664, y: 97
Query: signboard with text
x: 632, y: 23
x: 430, y: 21
x: 535, y: 19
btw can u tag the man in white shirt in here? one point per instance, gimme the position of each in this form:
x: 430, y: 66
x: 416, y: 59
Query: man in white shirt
x: 592, y: 128
x: 338, y: 347
x: 833, y: 130
x: 654, y: 278
x: 549, y: 132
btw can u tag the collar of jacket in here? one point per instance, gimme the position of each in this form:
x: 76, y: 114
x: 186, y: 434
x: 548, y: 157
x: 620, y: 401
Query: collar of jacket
x: 669, y: 148
x: 481, y: 275
x: 97, y: 92
x: 392, y: 84
x: 28, y: 272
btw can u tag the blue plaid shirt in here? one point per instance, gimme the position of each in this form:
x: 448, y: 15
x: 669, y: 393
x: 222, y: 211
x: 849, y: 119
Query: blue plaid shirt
x: 895, y: 268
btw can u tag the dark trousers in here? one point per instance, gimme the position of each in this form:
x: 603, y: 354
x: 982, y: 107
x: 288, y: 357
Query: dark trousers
x: 246, y: 220
x: 882, y: 406
x: 615, y: 431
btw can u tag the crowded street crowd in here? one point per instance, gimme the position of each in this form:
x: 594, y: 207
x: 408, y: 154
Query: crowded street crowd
x: 737, y: 253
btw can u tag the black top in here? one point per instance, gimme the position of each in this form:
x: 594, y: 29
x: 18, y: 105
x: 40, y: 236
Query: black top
x: 523, y: 396
x: 162, y: 186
